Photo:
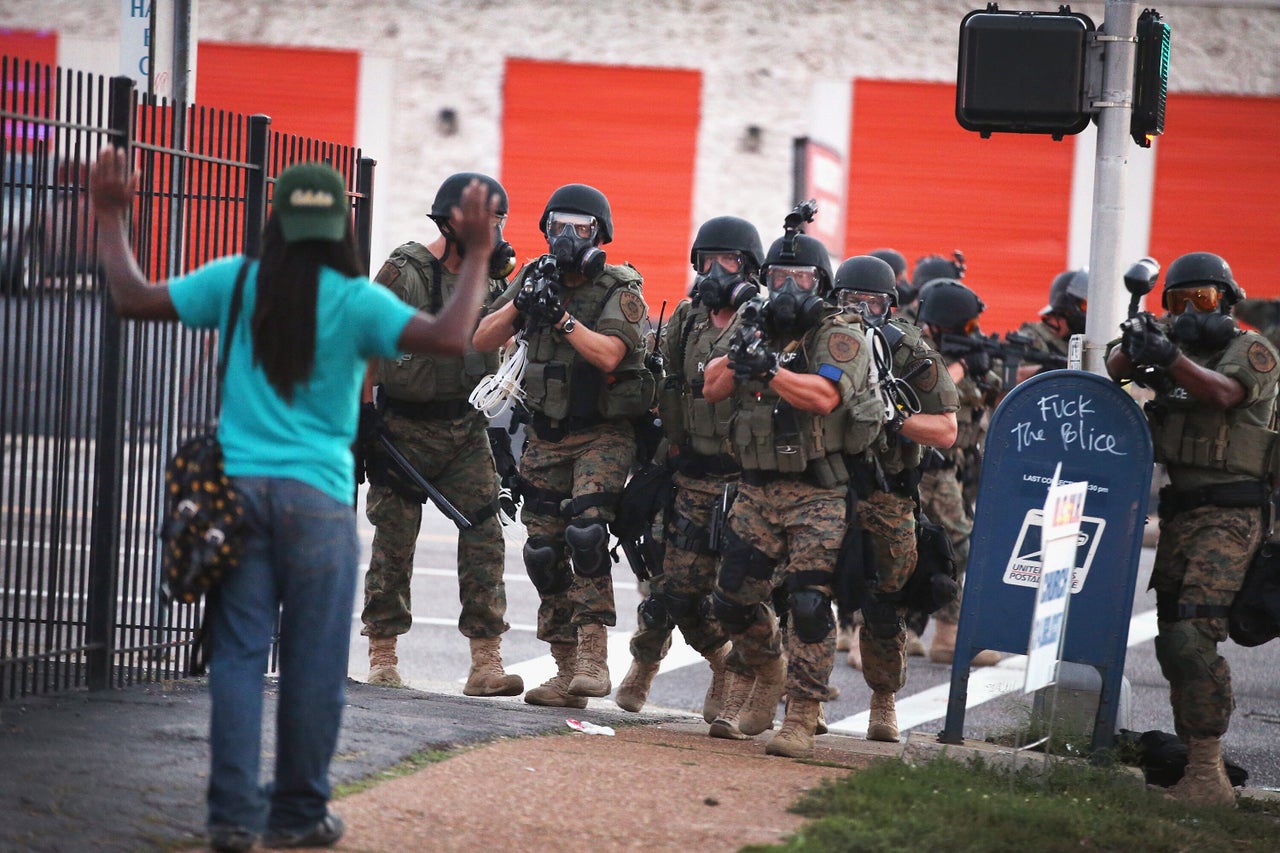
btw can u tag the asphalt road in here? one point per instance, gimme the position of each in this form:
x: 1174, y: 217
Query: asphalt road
x: 435, y: 657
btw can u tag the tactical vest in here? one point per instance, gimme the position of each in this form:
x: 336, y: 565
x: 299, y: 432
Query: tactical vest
x: 419, y: 279
x: 895, y: 453
x: 1044, y: 339
x: 561, y: 385
x: 769, y: 434
x: 1234, y: 443
x: 690, y: 421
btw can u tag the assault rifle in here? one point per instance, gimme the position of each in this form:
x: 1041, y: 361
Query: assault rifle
x: 1013, y: 351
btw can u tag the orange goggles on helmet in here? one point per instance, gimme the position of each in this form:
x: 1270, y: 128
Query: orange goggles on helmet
x: 1204, y: 297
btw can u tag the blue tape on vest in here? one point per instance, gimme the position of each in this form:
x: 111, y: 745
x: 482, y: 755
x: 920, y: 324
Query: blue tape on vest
x: 830, y: 371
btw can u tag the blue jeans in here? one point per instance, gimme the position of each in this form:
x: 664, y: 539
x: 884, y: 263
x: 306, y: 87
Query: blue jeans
x: 300, y: 564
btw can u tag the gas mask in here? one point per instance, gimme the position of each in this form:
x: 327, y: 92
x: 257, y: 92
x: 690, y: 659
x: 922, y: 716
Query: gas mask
x: 722, y: 282
x: 1198, y: 323
x: 794, y: 305
x: 1205, y: 331
x: 571, y: 237
x: 873, y: 308
x: 502, y: 259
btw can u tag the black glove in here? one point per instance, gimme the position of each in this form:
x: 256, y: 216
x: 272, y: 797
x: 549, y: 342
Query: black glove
x: 1145, y: 343
x: 524, y: 297
x: 977, y: 363
x: 759, y: 363
x: 546, y: 310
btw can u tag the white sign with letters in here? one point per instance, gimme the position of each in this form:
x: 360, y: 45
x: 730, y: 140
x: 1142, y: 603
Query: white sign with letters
x: 1063, y: 513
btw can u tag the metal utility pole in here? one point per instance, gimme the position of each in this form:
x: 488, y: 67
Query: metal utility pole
x: 1107, y: 297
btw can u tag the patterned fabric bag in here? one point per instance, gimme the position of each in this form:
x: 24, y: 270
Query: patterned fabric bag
x: 203, y: 514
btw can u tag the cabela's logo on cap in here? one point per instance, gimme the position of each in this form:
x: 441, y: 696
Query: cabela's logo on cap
x: 310, y: 198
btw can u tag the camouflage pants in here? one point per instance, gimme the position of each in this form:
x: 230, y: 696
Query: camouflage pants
x: 687, y: 575
x: 942, y: 499
x: 454, y: 455
x: 1200, y: 560
x: 584, y: 465
x: 797, y: 528
x: 890, y: 522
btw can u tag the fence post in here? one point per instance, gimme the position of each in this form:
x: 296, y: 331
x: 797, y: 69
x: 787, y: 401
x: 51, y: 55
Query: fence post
x: 364, y: 209
x: 255, y: 214
x: 104, y: 551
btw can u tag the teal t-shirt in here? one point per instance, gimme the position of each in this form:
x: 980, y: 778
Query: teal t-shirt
x: 309, y: 439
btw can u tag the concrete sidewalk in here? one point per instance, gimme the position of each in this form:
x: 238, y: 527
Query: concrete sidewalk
x: 125, y: 770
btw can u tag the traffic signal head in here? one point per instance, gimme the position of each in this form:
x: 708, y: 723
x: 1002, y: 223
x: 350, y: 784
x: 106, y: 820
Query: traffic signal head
x: 1023, y: 72
x: 1150, y: 78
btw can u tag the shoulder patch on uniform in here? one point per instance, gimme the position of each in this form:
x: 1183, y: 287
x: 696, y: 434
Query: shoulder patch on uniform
x: 1260, y: 357
x: 843, y: 346
x: 388, y: 274
x: 927, y: 379
x: 632, y: 306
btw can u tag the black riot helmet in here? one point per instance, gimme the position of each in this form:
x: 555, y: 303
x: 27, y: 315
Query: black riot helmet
x: 949, y: 305
x: 717, y: 286
x: 449, y: 195
x: 1203, y: 268
x: 802, y: 250
x: 502, y: 260
x: 895, y: 259
x: 1068, y: 298
x: 860, y: 276
x: 580, y: 198
x: 797, y: 272
x: 936, y: 266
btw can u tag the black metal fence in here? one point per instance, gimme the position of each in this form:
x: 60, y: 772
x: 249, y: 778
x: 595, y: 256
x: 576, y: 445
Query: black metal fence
x: 90, y: 405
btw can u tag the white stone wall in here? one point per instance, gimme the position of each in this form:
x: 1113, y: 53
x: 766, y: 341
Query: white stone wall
x: 758, y: 59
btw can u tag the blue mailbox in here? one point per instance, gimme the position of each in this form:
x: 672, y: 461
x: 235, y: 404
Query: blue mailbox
x: 1099, y: 434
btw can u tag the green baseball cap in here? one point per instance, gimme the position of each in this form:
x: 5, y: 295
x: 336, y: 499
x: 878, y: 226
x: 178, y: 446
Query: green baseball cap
x: 311, y: 201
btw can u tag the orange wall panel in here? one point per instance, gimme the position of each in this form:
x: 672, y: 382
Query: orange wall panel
x: 1218, y: 185
x: 36, y: 45
x: 630, y: 133
x: 307, y: 91
x: 921, y: 184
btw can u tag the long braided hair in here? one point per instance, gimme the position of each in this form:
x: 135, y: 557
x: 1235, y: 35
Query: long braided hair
x: 284, y: 314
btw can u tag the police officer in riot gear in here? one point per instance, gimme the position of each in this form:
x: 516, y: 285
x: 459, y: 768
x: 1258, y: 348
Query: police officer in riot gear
x: 927, y: 269
x: 1211, y: 426
x: 886, y: 477
x: 1063, y: 317
x: 726, y: 257
x: 797, y: 372
x: 585, y: 382
x: 423, y: 401
x: 948, y: 307
x: 897, y: 262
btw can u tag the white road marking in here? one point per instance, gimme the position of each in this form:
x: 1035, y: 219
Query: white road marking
x: 985, y: 684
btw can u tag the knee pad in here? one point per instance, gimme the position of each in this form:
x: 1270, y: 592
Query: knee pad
x: 588, y: 547
x: 882, y: 620
x: 740, y: 560
x: 682, y: 607
x: 736, y: 618
x: 811, y: 615
x: 652, y: 614
x: 542, y: 560
x: 1185, y: 653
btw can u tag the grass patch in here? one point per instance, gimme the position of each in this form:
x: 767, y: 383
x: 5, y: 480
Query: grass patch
x: 946, y: 805
x: 407, y: 767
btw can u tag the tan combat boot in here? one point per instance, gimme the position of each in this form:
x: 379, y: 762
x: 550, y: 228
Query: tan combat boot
x: 487, y: 677
x: 591, y: 669
x: 855, y: 648
x: 382, y: 662
x: 943, y: 648
x: 554, y: 692
x: 1205, y: 782
x: 771, y: 681
x: 795, y: 738
x: 914, y: 646
x: 714, y: 700
x: 737, y: 691
x: 844, y: 637
x: 633, y: 692
x: 883, y: 724
x: 821, y: 727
